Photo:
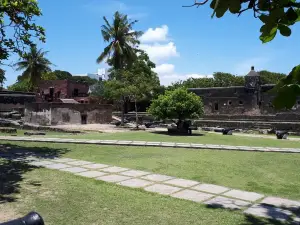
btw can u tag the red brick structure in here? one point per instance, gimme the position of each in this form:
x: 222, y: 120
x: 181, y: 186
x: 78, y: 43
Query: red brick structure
x: 54, y: 90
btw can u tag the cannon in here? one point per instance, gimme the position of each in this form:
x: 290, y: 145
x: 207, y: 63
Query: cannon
x: 228, y: 131
x: 31, y: 218
x: 282, y: 134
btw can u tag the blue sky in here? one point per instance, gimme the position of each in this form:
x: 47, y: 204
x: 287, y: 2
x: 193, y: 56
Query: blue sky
x: 183, y: 42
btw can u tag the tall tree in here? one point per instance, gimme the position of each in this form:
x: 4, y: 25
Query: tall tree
x: 2, y: 77
x: 177, y: 104
x: 138, y: 82
x: 17, y: 26
x: 122, y: 42
x: 34, y: 65
x: 275, y: 16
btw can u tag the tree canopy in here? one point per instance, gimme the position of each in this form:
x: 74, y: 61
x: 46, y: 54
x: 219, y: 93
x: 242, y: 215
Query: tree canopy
x: 2, y: 77
x: 17, y: 27
x: 177, y: 104
x: 34, y: 64
x: 276, y: 15
x: 122, y: 40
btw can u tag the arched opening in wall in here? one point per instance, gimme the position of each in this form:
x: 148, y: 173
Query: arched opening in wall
x: 298, y: 102
x: 241, y: 103
x: 229, y: 102
x: 216, y: 106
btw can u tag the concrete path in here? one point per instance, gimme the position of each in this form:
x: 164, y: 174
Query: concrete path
x: 216, y: 196
x: 151, y: 144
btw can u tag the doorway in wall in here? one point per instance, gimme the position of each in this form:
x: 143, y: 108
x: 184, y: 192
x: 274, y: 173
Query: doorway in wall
x: 83, y: 119
x: 216, y: 106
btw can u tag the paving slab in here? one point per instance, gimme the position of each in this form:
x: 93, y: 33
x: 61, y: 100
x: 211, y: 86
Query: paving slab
x: 95, y: 166
x: 157, y: 177
x: 269, y: 212
x: 79, y: 163
x: 134, y: 173
x: 93, y: 142
x: 113, y: 178
x: 210, y: 188
x: 109, y: 142
x: 191, y: 195
x: 135, y: 183
x: 40, y: 163
x: 244, y: 195
x: 227, y: 203
x: 280, y: 202
x: 182, y: 182
x: 74, y: 169
x: 162, y: 189
x: 57, y: 166
x: 114, y: 169
x: 153, y: 144
x: 123, y: 142
x: 91, y: 174
x: 200, y: 146
x: 168, y: 144
x: 183, y: 145
x: 138, y: 143
x: 64, y: 160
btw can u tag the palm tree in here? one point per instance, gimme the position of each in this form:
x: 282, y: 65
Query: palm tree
x: 122, y: 40
x: 122, y: 48
x: 34, y: 65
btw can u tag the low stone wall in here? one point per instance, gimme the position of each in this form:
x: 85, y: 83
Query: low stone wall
x: 63, y: 113
x: 290, y: 126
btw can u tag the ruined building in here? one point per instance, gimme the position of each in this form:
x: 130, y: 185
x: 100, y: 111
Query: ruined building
x: 246, y: 106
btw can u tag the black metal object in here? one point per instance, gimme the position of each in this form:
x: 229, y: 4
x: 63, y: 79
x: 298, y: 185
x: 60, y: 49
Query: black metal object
x: 31, y: 218
x: 227, y: 131
x: 282, y: 134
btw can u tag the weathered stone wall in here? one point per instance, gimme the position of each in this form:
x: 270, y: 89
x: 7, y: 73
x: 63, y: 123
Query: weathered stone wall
x: 62, y: 113
x: 228, y: 100
x: 241, y: 101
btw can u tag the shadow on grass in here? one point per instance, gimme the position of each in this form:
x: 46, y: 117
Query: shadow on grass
x: 13, y: 165
x: 277, y: 216
x: 177, y: 134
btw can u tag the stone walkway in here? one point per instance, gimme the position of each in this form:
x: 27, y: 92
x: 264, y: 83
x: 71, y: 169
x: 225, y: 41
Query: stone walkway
x: 251, y: 203
x: 151, y: 144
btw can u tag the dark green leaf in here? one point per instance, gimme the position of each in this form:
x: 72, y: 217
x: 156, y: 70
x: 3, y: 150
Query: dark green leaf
x: 291, y: 14
x: 284, y: 30
x: 264, y: 18
x: 234, y: 6
x: 266, y: 37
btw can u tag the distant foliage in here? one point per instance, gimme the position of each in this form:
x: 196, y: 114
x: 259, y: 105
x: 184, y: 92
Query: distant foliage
x: 97, y: 90
x: 177, y: 104
x: 268, y: 77
x: 21, y: 85
x: 84, y: 80
x: 2, y: 77
x: 61, y: 75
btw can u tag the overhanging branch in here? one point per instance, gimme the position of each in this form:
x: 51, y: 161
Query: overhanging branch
x: 197, y: 3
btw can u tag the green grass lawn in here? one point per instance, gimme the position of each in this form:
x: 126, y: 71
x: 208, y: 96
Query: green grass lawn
x: 63, y: 198
x: 198, y: 137
x: 275, y: 174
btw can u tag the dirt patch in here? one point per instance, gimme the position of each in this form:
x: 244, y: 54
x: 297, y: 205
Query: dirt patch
x: 7, y: 213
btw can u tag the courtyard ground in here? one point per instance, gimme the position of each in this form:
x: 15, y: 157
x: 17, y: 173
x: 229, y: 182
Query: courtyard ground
x: 64, y: 198
x: 200, y: 137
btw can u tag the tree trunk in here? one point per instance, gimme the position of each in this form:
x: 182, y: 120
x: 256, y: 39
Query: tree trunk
x: 123, y: 111
x: 136, y: 115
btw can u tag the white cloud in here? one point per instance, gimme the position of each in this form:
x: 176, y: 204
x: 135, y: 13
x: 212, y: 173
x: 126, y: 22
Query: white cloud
x: 158, y: 52
x: 158, y: 34
x: 165, y: 69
